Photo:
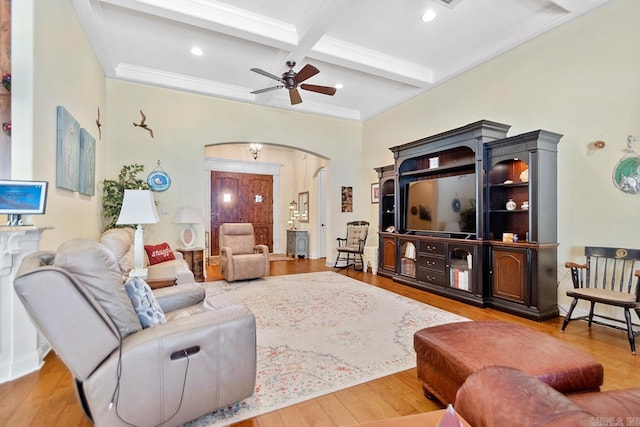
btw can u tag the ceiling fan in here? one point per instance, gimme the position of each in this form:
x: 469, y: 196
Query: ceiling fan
x: 291, y: 80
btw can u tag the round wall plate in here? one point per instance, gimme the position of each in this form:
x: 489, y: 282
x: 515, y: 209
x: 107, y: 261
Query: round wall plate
x: 159, y: 181
x: 626, y: 175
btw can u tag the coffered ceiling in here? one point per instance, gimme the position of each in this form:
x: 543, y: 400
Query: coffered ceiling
x: 380, y: 51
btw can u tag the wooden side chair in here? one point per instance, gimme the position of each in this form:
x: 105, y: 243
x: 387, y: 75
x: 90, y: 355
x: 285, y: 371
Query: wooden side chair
x: 351, y: 248
x: 609, y: 277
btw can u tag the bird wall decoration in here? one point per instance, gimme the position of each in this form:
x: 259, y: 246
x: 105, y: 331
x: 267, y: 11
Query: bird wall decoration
x: 99, y: 125
x: 143, y: 124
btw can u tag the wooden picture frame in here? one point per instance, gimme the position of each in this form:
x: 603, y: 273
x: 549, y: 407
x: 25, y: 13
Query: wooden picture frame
x: 375, y: 192
x: 347, y: 199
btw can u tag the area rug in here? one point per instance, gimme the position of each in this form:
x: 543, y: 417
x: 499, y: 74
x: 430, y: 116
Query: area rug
x: 318, y: 333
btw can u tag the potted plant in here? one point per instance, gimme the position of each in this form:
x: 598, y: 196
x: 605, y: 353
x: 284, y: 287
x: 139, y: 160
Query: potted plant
x: 113, y: 192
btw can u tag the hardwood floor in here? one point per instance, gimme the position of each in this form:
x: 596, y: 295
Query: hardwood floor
x: 47, y: 397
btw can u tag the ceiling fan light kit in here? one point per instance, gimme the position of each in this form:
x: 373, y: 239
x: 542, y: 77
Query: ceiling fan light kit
x: 291, y: 80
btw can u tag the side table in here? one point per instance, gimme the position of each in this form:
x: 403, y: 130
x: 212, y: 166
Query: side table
x: 195, y: 260
x: 297, y: 243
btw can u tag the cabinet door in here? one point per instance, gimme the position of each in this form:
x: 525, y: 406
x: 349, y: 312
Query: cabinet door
x: 460, y: 261
x: 301, y: 246
x: 389, y: 253
x: 509, y: 272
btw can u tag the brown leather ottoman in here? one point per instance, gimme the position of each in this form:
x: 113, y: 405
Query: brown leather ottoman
x: 448, y: 354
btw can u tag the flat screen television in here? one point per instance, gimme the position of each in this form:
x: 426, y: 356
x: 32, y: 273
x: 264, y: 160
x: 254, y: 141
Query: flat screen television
x: 444, y: 205
x: 19, y: 198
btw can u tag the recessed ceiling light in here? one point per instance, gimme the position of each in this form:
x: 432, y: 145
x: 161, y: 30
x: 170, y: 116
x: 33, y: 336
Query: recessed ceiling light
x: 197, y: 51
x: 339, y: 86
x: 429, y: 15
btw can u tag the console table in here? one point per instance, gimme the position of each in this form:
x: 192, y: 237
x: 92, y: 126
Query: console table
x: 297, y: 243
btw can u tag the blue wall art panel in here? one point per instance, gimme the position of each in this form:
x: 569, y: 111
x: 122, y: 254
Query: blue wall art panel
x: 67, y: 151
x: 87, y: 177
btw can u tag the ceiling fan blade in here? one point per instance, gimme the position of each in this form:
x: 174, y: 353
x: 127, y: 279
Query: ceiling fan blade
x: 306, y: 72
x: 294, y: 96
x: 326, y: 90
x: 267, y: 74
x: 267, y: 89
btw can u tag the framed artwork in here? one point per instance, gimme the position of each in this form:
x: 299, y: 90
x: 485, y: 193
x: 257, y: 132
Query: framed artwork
x: 347, y: 199
x: 375, y: 192
x: 87, y: 169
x: 67, y: 150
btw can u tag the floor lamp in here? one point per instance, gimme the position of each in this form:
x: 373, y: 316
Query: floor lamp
x: 138, y: 207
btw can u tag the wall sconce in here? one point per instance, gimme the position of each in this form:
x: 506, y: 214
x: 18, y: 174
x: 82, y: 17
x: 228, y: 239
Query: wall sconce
x: 255, y: 149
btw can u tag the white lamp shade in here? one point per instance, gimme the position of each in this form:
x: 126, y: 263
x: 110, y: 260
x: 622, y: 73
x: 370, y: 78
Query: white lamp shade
x: 138, y: 207
x: 188, y: 216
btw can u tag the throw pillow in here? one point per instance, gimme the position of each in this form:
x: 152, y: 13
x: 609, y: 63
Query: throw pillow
x: 144, y: 303
x: 159, y: 253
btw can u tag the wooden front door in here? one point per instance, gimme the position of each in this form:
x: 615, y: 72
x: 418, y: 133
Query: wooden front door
x: 242, y: 197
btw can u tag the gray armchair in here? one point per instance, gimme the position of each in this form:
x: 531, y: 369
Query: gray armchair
x: 195, y: 362
x: 240, y: 257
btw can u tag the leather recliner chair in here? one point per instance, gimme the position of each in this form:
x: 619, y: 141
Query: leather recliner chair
x: 196, y: 362
x: 240, y: 257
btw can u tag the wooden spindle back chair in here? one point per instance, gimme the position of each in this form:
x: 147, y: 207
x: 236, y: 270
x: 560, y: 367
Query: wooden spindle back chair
x: 351, y: 248
x: 610, y: 276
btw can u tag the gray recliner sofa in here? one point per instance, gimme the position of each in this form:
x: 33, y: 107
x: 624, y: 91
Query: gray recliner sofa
x: 196, y: 362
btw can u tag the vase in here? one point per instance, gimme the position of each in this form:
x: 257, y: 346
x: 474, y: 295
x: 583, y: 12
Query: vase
x: 511, y: 205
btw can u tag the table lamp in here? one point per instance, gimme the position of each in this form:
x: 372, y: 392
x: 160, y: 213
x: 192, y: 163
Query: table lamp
x: 138, y: 207
x: 188, y: 216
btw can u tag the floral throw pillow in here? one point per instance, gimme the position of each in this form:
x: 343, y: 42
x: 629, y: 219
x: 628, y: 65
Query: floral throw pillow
x: 144, y: 303
x: 159, y: 253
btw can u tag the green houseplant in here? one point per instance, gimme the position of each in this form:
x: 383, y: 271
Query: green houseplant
x: 113, y: 192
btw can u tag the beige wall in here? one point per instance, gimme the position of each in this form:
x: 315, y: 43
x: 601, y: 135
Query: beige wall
x: 581, y: 80
x: 185, y: 123
x: 53, y: 64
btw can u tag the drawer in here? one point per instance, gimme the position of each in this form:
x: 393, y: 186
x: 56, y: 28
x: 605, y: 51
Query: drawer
x: 431, y: 263
x: 432, y: 247
x: 424, y: 275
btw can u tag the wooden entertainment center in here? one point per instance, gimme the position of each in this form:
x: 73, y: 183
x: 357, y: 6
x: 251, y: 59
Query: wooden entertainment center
x: 471, y: 214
